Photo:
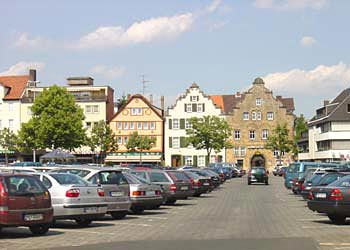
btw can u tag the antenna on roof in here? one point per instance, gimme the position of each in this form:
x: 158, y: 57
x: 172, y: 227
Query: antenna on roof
x: 144, y: 84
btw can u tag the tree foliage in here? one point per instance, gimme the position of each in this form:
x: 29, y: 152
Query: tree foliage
x: 209, y: 133
x: 280, y: 140
x: 58, y: 120
x: 8, y: 142
x: 102, y: 139
x: 138, y: 143
x: 121, y: 101
x: 300, y: 126
x: 27, y: 139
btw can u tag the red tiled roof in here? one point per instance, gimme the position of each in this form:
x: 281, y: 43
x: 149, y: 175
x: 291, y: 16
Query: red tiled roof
x: 227, y: 102
x: 16, y: 84
x: 218, y: 101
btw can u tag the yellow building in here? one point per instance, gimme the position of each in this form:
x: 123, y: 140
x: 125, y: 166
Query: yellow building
x: 138, y: 114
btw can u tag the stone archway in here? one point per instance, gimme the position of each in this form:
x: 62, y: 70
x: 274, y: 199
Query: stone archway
x: 258, y: 160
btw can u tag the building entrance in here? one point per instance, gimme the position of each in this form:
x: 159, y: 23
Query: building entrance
x: 258, y: 160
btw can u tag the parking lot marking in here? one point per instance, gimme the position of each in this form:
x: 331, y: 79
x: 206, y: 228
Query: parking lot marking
x: 334, y: 244
x: 312, y: 219
x: 150, y: 217
x: 133, y: 224
x: 322, y: 227
x: 342, y: 248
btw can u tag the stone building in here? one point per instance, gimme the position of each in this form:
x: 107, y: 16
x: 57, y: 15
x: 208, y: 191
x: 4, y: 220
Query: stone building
x: 253, y: 115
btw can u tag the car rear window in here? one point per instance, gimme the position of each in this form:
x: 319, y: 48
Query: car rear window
x: 258, y: 171
x: 158, y: 177
x: 293, y: 168
x: 329, y: 179
x: 132, y: 179
x: 112, y: 177
x: 24, y: 185
x: 139, y: 174
x: 69, y: 179
x: 80, y: 172
x: 178, y: 176
x: 192, y: 175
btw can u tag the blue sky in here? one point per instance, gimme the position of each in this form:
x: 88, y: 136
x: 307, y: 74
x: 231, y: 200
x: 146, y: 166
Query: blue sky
x: 299, y: 47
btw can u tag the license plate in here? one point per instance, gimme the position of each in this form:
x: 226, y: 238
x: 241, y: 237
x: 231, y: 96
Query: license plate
x: 205, y: 184
x: 184, y: 188
x: 321, y: 195
x: 117, y: 194
x: 33, y: 217
x: 90, y: 210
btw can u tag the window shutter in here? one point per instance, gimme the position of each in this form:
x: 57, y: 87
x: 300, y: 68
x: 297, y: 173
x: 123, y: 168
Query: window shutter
x: 185, y: 107
x: 203, y: 107
x: 182, y: 123
x: 170, y: 123
x: 170, y: 142
x: 195, y: 160
x: 182, y: 142
x: 194, y: 107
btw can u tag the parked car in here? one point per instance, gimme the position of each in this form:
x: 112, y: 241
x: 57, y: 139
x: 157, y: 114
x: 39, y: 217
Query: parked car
x: 113, y: 182
x: 258, y: 175
x: 332, y: 200
x: 215, y: 178
x: 171, y: 190
x: 143, y: 195
x: 200, y: 184
x: 276, y: 170
x: 73, y: 198
x: 181, y: 186
x: 282, y: 171
x: 24, y: 201
x: 297, y: 182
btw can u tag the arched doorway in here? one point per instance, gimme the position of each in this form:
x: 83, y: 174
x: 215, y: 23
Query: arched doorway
x: 258, y: 160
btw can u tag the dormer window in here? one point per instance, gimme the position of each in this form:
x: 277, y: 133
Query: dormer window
x: 258, y: 101
x: 194, y: 98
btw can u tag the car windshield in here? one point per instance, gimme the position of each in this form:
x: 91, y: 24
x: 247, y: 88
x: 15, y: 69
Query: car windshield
x: 327, y: 179
x: 24, y: 185
x: 178, y: 176
x: 69, y: 179
x: 158, y: 177
x: 79, y: 172
x: 258, y: 171
x: 112, y: 177
x: 192, y: 175
x: 293, y: 168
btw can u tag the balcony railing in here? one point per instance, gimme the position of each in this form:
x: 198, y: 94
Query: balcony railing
x: 99, y: 98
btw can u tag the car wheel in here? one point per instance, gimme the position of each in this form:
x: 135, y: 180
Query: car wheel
x: 337, y: 219
x: 249, y: 183
x: 39, y: 229
x: 118, y: 215
x: 170, y: 202
x: 197, y: 195
x: 295, y: 192
x: 137, y: 210
x: 266, y: 183
x: 83, y: 222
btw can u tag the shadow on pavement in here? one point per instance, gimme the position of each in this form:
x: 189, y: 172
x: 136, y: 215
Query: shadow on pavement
x: 22, y: 232
x: 73, y: 225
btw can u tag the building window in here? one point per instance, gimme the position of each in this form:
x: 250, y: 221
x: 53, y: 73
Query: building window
x: 242, y: 151
x: 29, y: 111
x: 132, y: 125
x: 139, y: 125
x: 258, y: 101
x: 201, y: 161
x: 252, y: 134
x: 237, y: 135
x: 188, y: 108
x: 188, y: 160
x: 136, y: 111
x: 176, y: 142
x: 152, y: 125
x: 269, y: 116
x: 176, y: 124
x: 125, y: 139
x: 126, y: 125
x: 258, y: 115
x: 200, y: 108
x: 88, y: 125
x: 188, y: 125
x: 11, y: 124
x: 88, y: 109
x: 95, y: 124
x: 265, y: 134
x: 253, y: 115
x: 145, y: 125
x: 120, y: 140
x: 95, y: 109
x: 194, y: 98
x: 275, y: 153
x: 120, y: 125
x: 245, y: 116
x: 10, y: 106
x: 236, y: 151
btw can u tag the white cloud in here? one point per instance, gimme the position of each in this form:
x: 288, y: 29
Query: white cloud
x: 213, y: 6
x: 108, y: 72
x: 140, y: 32
x: 290, y: 4
x: 307, y: 41
x: 320, y: 80
x: 25, y: 42
x: 21, y: 68
x: 218, y: 25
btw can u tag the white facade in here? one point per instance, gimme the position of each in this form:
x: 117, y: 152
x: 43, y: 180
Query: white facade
x: 10, y: 113
x: 192, y: 104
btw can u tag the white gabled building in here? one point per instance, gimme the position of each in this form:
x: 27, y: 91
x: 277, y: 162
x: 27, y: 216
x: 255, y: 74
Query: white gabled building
x: 194, y: 103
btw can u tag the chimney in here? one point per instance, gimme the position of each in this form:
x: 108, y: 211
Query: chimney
x: 151, y: 99
x: 325, y: 103
x: 162, y: 106
x: 32, y: 75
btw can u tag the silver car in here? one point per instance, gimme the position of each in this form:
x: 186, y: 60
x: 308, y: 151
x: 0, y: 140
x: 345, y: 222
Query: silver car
x: 143, y: 195
x: 74, y: 198
x: 112, y: 181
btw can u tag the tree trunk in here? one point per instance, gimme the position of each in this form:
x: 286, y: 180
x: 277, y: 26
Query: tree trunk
x: 6, y: 159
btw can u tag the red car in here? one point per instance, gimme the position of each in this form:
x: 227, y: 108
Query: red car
x: 24, y: 201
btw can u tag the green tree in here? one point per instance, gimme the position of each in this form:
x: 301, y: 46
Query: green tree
x: 121, y: 101
x: 300, y: 126
x: 102, y: 139
x: 280, y: 140
x: 8, y: 142
x: 27, y: 139
x: 209, y: 133
x: 58, y: 119
x: 138, y: 143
